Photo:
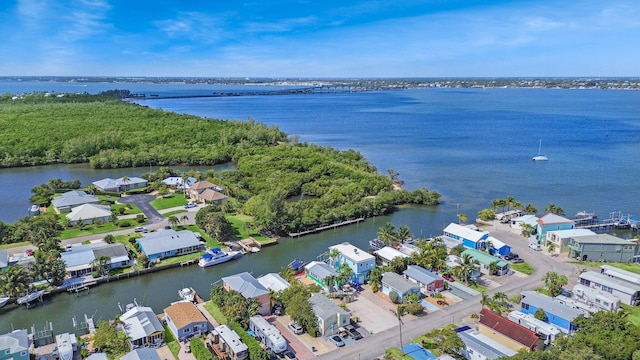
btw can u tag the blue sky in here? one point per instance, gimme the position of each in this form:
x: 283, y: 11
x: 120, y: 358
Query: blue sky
x: 323, y: 38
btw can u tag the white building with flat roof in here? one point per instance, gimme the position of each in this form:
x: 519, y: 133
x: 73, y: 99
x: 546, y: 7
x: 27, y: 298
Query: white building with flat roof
x: 628, y: 292
x: 360, y: 261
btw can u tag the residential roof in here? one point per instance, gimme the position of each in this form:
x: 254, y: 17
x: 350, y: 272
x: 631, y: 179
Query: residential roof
x: 108, y: 183
x: 141, y: 354
x: 624, y: 286
x: 464, y: 232
x: 388, y: 253
x: 526, y: 219
x: 273, y: 281
x: 571, y: 233
x: 78, y: 255
x: 549, y: 305
x: 620, y: 273
x: 201, y: 185
x: 73, y: 198
x: 485, y: 258
x: 508, y: 328
x: 483, y: 344
x: 397, y: 282
x: 111, y: 250
x: 177, y: 181
x: 421, y: 274
x: 15, y: 341
x: 140, y: 322
x: 245, y: 284
x: 602, y: 239
x: 320, y: 269
x: 88, y: 211
x: 184, y: 313
x: 497, y: 244
x: 351, y: 252
x: 324, y: 308
x: 550, y: 218
x: 211, y: 195
x: 231, y: 338
x: 167, y: 240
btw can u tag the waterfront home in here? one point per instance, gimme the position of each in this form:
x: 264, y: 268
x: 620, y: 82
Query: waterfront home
x: 70, y: 199
x: 206, y: 192
x: 4, y: 259
x: 602, y: 247
x: 528, y: 219
x: 273, y: 282
x: 558, y: 314
x: 480, y: 347
x: 360, y: 262
x: 618, y: 273
x: 507, y: 332
x: 595, y: 298
x: 15, y: 345
x: 318, y: 271
x: 507, y: 216
x: 120, y: 184
x: 169, y: 243
x: 249, y: 288
x: 79, y: 259
x: 185, y: 320
x: 497, y: 247
x: 141, y: 354
x: 142, y: 327
x: 387, y: 254
x: 117, y: 253
x: 628, y: 292
x: 393, y: 282
x: 428, y: 282
x: 465, y: 236
x: 560, y: 238
x: 551, y: 222
x: 228, y: 342
x: 88, y: 214
x: 485, y: 260
x: 329, y: 315
x: 178, y: 183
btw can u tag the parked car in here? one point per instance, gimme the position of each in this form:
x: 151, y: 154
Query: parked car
x: 508, y: 257
x: 141, y: 229
x: 296, y: 328
x: 355, y: 334
x: 190, y: 205
x: 337, y: 340
x: 289, y: 355
x: 448, y: 277
x: 343, y: 332
x: 516, y: 261
x: 535, y: 246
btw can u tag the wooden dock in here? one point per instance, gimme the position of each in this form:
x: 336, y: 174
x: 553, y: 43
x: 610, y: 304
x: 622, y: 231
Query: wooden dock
x: 189, y: 262
x: 327, y: 227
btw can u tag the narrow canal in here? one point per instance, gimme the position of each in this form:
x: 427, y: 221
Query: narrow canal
x: 158, y: 290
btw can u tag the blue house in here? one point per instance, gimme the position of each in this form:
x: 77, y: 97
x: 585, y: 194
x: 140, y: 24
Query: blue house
x: 468, y: 237
x: 169, y: 243
x: 558, y: 314
x: 497, y: 247
x: 552, y: 222
x: 360, y: 262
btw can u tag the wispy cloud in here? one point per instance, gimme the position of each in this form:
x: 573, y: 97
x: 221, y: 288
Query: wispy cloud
x: 196, y: 26
x: 87, y: 18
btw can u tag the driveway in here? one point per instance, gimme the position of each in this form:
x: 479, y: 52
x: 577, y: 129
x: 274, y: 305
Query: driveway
x: 142, y: 202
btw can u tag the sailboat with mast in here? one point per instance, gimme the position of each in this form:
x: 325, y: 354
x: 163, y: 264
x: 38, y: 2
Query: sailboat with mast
x: 540, y: 156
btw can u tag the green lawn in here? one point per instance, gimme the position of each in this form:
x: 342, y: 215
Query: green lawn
x: 239, y: 222
x: 181, y: 258
x: 9, y: 246
x: 89, y: 230
x: 523, y: 268
x: 634, y: 268
x: 174, y: 212
x: 210, y: 242
x: 129, y: 209
x: 169, y: 201
x: 215, y: 312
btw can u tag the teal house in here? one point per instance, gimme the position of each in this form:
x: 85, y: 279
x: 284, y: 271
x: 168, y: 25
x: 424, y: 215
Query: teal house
x: 552, y: 222
x: 485, y: 261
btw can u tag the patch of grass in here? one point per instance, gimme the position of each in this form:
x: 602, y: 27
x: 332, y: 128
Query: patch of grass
x: 524, y: 268
x: 124, y: 240
x: 181, y: 258
x: 9, y: 246
x: 167, y: 214
x: 395, y: 353
x: 215, y: 312
x: 634, y: 268
x: 210, y: 242
x: 478, y: 287
x: 633, y: 314
x: 130, y: 209
x: 169, y: 201
x: 88, y: 230
x: 240, y: 223
x: 172, y: 342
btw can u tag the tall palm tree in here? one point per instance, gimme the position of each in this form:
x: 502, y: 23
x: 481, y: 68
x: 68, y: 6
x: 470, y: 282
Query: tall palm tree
x: 387, y: 234
x: 527, y: 230
x: 173, y: 220
x: 332, y: 255
x: 185, y: 182
x: 403, y: 233
x: 462, y: 218
x: 510, y: 201
x: 14, y: 281
x: 125, y: 180
x: 530, y: 209
x: 467, y: 266
x: 184, y: 219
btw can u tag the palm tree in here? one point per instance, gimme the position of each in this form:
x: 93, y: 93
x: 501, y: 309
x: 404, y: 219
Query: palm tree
x: 332, y: 255
x: 387, y: 234
x: 14, y: 281
x: 462, y: 218
x: 403, y: 233
x: 184, y: 219
x: 510, y: 201
x: 553, y: 209
x: 527, y: 230
x: 125, y: 180
x: 173, y: 220
x: 467, y: 266
x: 185, y: 182
x: 530, y: 209
x: 374, y: 278
x: 330, y: 281
x: 487, y: 214
x: 493, y: 268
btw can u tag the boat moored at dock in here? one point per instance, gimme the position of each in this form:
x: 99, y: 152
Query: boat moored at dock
x: 217, y: 256
x: 187, y: 294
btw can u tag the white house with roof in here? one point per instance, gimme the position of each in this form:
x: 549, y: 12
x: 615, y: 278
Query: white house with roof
x: 481, y: 347
x: 329, y: 315
x: 429, y: 282
x: 79, y: 259
x: 387, y: 254
x: 560, y: 238
x: 70, y: 199
x: 621, y: 274
x: 185, y: 320
x: 628, y: 292
x: 249, y: 287
x: 360, y: 262
x: 141, y: 354
x: 178, y: 183
x: 120, y: 184
x: 88, y: 214
x: 142, y: 327
x: 15, y: 345
x: 318, y: 271
x: 463, y: 235
x: 229, y: 342
x: 551, y: 222
x: 273, y: 281
x: 393, y: 282
x: 169, y: 243
x: 528, y: 219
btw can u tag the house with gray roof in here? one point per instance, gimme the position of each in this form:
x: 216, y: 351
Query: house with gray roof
x: 178, y: 183
x: 602, y: 247
x: 318, y: 271
x: 273, y: 281
x: 169, y: 243
x: 70, y: 199
x: 558, y: 314
x: 249, y: 288
x: 78, y: 260
x: 628, y: 292
x: 387, y: 254
x: 329, y: 315
x: 229, y: 342
x: 15, y: 345
x: 117, y: 254
x: 88, y: 214
x: 120, y: 184
x: 142, y: 327
x: 141, y: 354
x: 394, y: 282
x: 429, y: 282
x: 480, y: 347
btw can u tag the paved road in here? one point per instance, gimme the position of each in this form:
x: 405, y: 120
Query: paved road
x: 142, y: 201
x: 374, y: 346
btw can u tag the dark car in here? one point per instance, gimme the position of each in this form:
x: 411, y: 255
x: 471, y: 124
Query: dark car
x: 289, y: 355
x: 355, y: 334
x: 337, y: 340
x: 516, y: 261
x: 508, y: 257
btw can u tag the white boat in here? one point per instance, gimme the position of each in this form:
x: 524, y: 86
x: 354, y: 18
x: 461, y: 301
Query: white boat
x: 187, y: 294
x: 539, y: 157
x: 29, y: 297
x: 4, y: 300
x: 65, y: 344
x: 217, y: 256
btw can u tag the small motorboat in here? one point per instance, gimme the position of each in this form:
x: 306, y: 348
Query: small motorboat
x: 187, y: 294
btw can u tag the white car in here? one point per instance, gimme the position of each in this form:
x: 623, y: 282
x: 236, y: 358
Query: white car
x: 296, y: 328
x: 190, y: 205
x: 140, y: 229
x: 535, y: 246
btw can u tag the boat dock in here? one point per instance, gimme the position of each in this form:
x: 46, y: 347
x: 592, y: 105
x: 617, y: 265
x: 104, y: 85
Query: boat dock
x: 615, y: 221
x: 326, y: 227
